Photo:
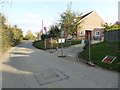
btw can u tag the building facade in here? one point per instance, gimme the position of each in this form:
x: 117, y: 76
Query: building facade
x: 91, y: 23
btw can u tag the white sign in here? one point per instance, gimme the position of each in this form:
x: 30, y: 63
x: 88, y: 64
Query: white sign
x: 61, y: 40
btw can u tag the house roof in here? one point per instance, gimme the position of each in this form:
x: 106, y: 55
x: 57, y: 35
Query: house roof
x: 86, y: 15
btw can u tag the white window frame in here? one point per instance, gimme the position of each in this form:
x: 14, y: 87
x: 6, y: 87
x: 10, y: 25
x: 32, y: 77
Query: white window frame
x: 96, y: 33
x: 81, y: 33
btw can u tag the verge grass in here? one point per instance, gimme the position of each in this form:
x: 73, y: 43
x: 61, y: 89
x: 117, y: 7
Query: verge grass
x: 99, y: 51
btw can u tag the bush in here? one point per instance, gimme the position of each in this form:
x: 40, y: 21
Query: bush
x: 11, y: 36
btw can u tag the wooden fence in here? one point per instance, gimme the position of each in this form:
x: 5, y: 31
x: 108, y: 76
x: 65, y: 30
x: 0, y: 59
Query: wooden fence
x: 112, y: 36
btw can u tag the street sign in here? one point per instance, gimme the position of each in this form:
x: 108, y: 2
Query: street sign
x: 108, y: 59
x: 61, y: 40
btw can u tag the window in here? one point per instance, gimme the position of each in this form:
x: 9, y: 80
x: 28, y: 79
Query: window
x: 97, y: 33
x: 81, y: 33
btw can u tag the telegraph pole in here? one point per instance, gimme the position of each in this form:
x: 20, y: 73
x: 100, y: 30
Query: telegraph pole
x: 44, y: 39
x: 42, y: 26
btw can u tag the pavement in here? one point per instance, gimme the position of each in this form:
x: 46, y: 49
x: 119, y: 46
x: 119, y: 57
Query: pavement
x: 28, y: 67
x: 70, y: 53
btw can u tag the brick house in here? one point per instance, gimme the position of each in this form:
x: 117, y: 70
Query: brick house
x: 91, y: 23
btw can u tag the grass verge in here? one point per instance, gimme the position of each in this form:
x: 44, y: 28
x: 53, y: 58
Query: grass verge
x: 99, y: 51
x: 39, y: 44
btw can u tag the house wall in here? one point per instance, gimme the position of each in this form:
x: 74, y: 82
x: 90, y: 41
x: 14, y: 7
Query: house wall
x: 101, y: 30
x: 90, y: 22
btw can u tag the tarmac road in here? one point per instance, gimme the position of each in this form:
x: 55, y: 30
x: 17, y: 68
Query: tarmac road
x: 28, y: 67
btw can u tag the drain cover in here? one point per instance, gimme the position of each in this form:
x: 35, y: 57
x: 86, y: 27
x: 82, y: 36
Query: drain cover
x: 50, y: 76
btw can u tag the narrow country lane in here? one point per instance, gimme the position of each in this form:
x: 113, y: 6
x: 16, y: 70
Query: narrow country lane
x: 28, y: 67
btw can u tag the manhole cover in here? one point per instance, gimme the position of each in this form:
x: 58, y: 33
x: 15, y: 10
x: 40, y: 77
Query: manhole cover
x: 50, y: 76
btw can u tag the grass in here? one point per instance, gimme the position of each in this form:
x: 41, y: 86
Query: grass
x: 99, y: 51
x: 39, y: 44
x: 73, y: 42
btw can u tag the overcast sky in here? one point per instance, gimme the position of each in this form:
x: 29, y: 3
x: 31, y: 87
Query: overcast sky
x: 28, y: 14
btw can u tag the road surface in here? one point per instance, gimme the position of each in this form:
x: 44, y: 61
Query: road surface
x: 28, y: 67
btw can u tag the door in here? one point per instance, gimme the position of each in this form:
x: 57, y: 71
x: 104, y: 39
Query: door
x: 87, y: 32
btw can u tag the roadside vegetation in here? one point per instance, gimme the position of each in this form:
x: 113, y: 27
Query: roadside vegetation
x: 10, y: 35
x: 99, y: 51
x: 29, y: 36
x: 110, y: 27
x: 40, y: 44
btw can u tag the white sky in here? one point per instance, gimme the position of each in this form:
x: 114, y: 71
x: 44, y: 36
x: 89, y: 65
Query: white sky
x: 28, y: 14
